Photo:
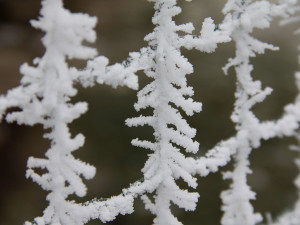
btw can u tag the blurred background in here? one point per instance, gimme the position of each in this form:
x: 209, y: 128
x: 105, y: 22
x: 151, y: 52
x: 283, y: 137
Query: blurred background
x: 121, y: 28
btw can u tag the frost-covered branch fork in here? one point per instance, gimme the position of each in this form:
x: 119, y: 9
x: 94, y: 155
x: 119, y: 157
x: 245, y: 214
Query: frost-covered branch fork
x: 217, y: 157
x: 220, y: 155
x: 166, y: 94
x: 43, y: 98
x: 242, y: 17
x: 46, y: 89
x: 292, y: 217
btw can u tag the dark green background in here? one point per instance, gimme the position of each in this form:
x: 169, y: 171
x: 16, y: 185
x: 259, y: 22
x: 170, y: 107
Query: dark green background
x: 122, y: 24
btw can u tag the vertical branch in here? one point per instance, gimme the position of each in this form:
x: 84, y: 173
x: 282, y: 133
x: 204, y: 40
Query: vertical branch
x: 48, y: 88
x: 44, y: 98
x: 168, y: 95
x: 242, y: 17
x: 292, y: 217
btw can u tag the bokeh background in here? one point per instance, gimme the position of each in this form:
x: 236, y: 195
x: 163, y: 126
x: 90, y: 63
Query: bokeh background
x: 122, y: 24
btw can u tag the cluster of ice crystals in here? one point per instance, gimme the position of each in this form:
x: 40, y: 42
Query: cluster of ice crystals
x: 292, y: 216
x: 43, y: 97
x: 242, y: 17
x: 168, y: 95
x: 47, y: 87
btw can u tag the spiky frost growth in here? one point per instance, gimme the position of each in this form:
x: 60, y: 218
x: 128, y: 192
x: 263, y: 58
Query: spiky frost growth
x: 242, y: 16
x: 292, y: 217
x: 221, y: 154
x: 166, y: 94
x: 44, y: 98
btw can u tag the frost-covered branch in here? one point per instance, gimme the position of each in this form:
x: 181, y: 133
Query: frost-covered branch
x: 43, y: 97
x: 120, y: 74
x: 168, y: 95
x: 242, y: 16
x: 45, y: 93
x: 240, y: 23
x: 292, y: 217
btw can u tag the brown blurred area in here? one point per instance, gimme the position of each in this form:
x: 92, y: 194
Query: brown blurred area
x: 122, y: 24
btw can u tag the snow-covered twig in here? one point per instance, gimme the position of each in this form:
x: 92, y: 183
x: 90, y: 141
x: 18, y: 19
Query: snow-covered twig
x: 43, y: 97
x: 166, y: 94
x: 242, y: 17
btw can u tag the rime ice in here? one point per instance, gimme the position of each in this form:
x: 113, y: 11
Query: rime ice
x: 166, y: 94
x: 46, y: 89
x: 44, y: 98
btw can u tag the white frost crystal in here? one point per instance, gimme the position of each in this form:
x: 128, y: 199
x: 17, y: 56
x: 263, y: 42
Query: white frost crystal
x: 167, y: 94
x: 44, y: 97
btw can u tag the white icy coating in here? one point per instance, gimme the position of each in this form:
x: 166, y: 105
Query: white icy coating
x: 242, y: 16
x: 166, y: 94
x: 43, y: 97
x: 47, y: 87
x: 292, y: 217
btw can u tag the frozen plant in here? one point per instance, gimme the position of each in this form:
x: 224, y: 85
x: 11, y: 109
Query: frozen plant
x: 168, y: 95
x: 47, y: 88
x: 242, y: 17
x: 43, y: 97
x: 222, y: 152
x: 292, y: 217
